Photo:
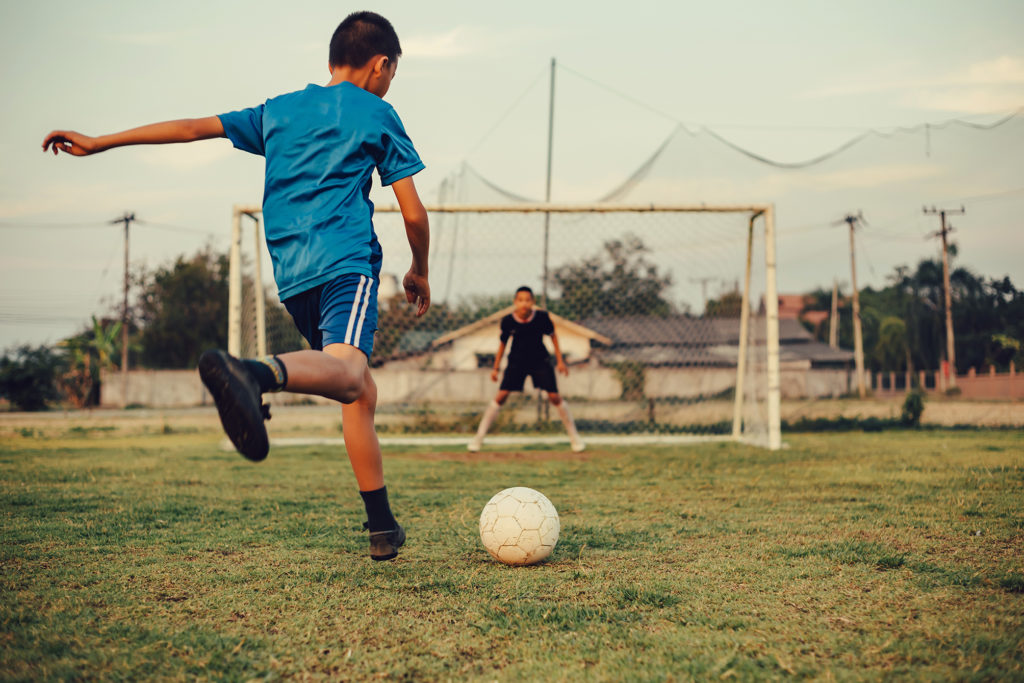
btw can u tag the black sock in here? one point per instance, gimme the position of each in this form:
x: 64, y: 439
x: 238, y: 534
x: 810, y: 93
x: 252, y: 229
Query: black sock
x: 269, y: 372
x: 378, y: 512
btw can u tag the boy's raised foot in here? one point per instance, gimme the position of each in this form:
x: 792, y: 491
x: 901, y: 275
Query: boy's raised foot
x: 239, y: 402
x: 384, y: 545
x: 577, y: 446
x: 474, y: 445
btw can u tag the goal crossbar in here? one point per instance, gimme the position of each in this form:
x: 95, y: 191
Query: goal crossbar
x: 754, y: 212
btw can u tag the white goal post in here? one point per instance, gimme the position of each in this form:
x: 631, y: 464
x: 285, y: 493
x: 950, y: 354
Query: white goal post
x: 480, y: 252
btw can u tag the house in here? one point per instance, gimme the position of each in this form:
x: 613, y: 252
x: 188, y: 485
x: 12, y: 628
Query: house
x: 681, y: 356
x: 473, y: 346
x: 682, y: 340
x: 686, y: 356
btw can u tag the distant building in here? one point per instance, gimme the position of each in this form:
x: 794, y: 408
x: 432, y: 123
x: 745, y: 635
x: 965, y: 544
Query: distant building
x: 473, y: 346
x: 685, y: 341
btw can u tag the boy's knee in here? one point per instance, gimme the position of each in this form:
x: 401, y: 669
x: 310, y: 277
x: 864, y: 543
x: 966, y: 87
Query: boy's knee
x: 555, y: 399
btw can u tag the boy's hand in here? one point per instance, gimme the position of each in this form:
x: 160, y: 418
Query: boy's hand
x: 70, y: 142
x: 417, y: 291
x: 562, y: 368
x: 494, y: 375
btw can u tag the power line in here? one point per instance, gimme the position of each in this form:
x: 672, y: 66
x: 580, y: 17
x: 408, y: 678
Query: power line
x: 59, y: 226
x: 505, y: 115
x: 180, y: 228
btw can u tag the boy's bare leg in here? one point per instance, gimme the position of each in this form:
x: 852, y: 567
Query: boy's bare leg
x: 487, y: 420
x: 338, y: 372
x: 570, y: 426
x: 361, y: 437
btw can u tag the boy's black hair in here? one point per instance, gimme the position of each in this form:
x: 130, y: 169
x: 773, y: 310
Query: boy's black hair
x: 524, y: 288
x: 361, y: 37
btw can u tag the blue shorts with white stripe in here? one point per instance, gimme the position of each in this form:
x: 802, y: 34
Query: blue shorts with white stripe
x: 342, y: 311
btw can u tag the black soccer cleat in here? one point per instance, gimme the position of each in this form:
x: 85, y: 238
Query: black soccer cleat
x: 239, y: 402
x: 384, y: 545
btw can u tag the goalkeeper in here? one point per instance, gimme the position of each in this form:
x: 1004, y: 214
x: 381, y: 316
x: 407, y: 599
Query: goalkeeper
x: 321, y: 146
x: 527, y: 326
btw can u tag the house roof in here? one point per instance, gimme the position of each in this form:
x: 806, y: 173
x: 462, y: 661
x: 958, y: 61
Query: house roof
x: 493, y: 318
x: 642, y: 330
x: 720, y: 354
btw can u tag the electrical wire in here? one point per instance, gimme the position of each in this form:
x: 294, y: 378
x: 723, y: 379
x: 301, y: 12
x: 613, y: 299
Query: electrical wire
x: 501, y: 119
x: 180, y: 228
x: 59, y: 226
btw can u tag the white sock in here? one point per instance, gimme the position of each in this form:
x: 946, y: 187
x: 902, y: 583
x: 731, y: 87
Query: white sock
x: 570, y: 426
x: 487, y: 420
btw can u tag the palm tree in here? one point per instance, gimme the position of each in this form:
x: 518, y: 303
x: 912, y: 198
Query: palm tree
x: 90, y: 353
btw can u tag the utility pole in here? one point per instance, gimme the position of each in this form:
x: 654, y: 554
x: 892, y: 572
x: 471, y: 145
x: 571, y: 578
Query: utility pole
x: 858, y: 339
x: 950, y: 349
x: 833, y: 318
x: 703, y: 289
x: 127, y: 219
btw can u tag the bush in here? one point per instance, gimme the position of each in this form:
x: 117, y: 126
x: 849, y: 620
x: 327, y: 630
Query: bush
x: 27, y: 376
x: 913, y: 407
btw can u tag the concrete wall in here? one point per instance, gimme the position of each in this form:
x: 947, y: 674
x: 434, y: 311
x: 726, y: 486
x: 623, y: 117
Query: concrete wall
x: 990, y: 385
x: 182, y: 388
x: 155, y: 388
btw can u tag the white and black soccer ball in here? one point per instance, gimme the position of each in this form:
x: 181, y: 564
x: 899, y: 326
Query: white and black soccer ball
x: 519, y: 526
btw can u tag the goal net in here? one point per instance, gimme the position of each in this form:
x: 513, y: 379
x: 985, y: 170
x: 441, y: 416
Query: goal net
x: 667, y: 317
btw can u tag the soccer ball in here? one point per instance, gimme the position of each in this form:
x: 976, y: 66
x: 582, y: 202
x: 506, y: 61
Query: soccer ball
x: 519, y: 526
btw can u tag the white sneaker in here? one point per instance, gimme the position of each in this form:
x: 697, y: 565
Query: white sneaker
x: 474, y: 445
x: 577, y: 446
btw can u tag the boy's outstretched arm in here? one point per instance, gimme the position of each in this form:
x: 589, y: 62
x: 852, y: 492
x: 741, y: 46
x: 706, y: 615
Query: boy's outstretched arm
x: 182, y: 130
x: 497, y: 361
x: 559, y: 361
x: 417, y: 230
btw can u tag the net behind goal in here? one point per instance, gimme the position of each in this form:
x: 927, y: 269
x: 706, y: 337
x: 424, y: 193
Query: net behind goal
x: 667, y: 317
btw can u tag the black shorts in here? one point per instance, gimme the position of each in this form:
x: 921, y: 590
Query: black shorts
x: 541, y: 374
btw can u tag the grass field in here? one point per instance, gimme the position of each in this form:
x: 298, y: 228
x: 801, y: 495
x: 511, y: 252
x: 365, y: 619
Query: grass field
x: 853, y: 556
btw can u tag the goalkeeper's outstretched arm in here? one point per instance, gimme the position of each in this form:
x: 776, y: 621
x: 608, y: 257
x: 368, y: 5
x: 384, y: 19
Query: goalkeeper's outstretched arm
x: 182, y: 130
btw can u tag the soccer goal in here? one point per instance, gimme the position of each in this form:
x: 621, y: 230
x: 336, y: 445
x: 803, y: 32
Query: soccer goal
x: 667, y: 317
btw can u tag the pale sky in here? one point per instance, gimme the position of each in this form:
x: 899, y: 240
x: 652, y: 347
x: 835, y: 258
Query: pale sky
x: 788, y: 80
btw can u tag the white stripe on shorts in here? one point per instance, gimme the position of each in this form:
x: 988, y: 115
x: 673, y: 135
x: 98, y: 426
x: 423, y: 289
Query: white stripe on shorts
x: 353, y: 314
x: 362, y: 313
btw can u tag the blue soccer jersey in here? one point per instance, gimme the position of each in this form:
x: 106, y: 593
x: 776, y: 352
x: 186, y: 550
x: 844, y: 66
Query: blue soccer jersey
x: 322, y: 145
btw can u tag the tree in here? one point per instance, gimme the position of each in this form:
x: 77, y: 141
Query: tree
x: 727, y: 305
x: 182, y: 310
x: 987, y: 316
x: 891, y: 351
x: 27, y: 376
x: 399, y: 330
x: 617, y: 282
x: 89, y: 353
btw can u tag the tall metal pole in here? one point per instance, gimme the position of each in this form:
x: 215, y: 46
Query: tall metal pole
x: 950, y: 347
x: 542, y: 405
x: 127, y: 220
x: 547, y: 183
x: 858, y: 337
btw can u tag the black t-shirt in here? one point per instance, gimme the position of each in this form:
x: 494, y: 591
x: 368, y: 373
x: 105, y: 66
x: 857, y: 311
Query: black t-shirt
x: 527, y: 337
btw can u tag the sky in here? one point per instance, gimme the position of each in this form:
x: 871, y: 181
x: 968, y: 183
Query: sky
x: 787, y: 80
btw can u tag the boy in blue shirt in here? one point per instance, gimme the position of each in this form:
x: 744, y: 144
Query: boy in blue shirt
x: 321, y: 145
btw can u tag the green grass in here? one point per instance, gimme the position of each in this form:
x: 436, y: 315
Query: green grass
x: 853, y: 556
